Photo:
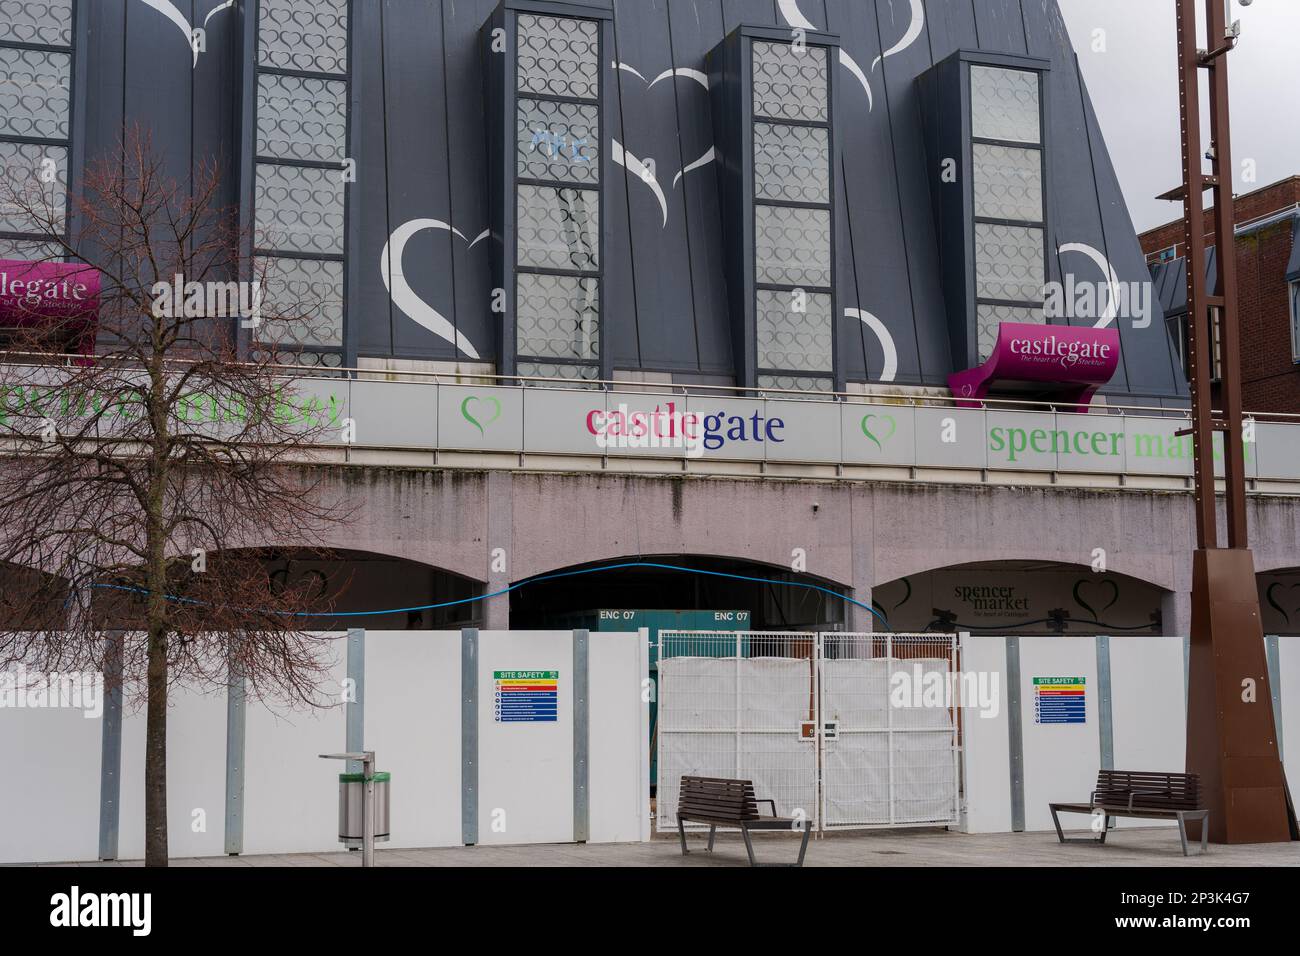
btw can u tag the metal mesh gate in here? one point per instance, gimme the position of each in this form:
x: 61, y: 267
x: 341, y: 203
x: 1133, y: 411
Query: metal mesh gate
x: 889, y: 747
x: 808, y: 717
x: 730, y: 705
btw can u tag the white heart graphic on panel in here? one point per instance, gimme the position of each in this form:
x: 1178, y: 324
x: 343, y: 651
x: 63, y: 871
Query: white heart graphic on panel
x: 405, y: 298
x: 168, y: 10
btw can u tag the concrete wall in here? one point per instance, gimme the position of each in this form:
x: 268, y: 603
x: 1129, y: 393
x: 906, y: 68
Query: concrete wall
x: 861, y: 535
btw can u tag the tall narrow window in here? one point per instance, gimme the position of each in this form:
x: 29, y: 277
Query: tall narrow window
x: 1009, y: 219
x: 302, y: 82
x: 36, y: 66
x: 774, y: 125
x: 794, y: 297
x: 1295, y: 321
x: 551, y: 164
x: 557, y: 198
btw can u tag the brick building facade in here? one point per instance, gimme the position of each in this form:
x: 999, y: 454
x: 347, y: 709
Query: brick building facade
x: 1268, y: 276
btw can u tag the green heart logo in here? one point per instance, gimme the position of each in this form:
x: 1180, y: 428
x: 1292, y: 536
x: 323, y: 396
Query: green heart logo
x: 879, y: 439
x: 480, y: 425
x: 1078, y: 596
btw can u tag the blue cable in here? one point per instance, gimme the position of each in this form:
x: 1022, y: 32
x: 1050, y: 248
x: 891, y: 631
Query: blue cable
x: 520, y: 584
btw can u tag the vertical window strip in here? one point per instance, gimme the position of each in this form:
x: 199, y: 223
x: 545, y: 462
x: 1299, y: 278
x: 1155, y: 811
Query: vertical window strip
x: 36, y: 138
x: 300, y: 137
x: 792, y: 200
x: 1007, y: 153
x: 555, y: 164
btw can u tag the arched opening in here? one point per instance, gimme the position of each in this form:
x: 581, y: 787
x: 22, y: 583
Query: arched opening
x: 1021, y: 597
x: 686, y: 592
x: 347, y: 586
x: 1279, y: 600
x: 771, y: 598
x: 31, y: 600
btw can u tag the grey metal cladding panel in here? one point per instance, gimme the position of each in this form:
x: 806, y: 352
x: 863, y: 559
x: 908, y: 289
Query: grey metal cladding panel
x: 159, y: 79
x: 370, y: 310
x: 621, y: 344
x: 696, y: 28
x: 999, y: 25
x: 874, y: 221
x: 105, y: 76
x: 760, y: 13
x: 661, y: 264
x: 472, y: 267
x: 1148, y: 354
x: 418, y: 183
x: 216, y: 80
x: 900, y: 94
x: 952, y: 27
x: 725, y: 102
x: 1170, y: 280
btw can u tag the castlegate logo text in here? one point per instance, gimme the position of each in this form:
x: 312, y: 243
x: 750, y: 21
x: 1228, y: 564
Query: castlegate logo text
x: 44, y: 292
x: 1067, y: 354
x: 692, y: 432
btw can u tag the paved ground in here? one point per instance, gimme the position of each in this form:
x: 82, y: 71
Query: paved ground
x: 1136, y: 847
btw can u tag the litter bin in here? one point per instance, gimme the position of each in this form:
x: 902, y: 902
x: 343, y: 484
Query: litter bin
x: 352, y: 793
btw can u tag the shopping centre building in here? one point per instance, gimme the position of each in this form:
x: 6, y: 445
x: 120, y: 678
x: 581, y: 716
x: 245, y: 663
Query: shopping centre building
x: 862, y: 271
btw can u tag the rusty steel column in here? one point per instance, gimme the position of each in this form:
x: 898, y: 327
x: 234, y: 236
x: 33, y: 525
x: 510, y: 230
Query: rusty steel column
x: 1231, y: 734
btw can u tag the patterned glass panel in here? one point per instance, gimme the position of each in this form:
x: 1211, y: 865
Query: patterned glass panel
x: 301, y: 118
x: 311, y: 36
x: 558, y: 317
x: 299, y: 209
x: 24, y: 167
x: 302, y: 302
x: 790, y: 83
x: 559, y: 228
x: 792, y: 246
x: 795, y: 341
x: 1008, y: 262
x: 34, y: 97
x: 30, y: 250
x: 559, y: 57
x: 559, y: 141
x: 36, y: 21
x: 792, y: 163
x: 990, y: 317
x: 1004, y: 104
x: 795, y: 383
x: 569, y: 373
x: 1008, y: 182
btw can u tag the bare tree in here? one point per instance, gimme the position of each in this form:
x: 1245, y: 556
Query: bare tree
x: 145, y: 463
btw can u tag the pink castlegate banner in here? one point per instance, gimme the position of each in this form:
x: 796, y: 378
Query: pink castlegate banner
x: 1059, y: 362
x: 61, y: 298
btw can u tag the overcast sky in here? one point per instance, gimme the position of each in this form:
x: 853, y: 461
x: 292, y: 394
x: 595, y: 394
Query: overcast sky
x: 1133, y: 82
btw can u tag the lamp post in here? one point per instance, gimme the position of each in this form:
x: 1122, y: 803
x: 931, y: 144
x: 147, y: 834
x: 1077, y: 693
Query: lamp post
x: 1231, y: 733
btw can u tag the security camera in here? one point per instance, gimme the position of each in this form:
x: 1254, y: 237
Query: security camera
x: 816, y: 507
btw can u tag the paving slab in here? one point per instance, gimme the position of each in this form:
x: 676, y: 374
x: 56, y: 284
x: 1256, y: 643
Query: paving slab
x: 1157, y: 846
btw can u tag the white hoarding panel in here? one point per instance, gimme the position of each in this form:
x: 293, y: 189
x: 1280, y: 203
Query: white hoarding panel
x: 525, y: 737
x: 412, y: 723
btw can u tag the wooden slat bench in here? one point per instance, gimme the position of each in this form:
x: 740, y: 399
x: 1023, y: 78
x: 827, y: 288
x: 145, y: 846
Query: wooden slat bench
x: 730, y: 803
x: 1143, y: 795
